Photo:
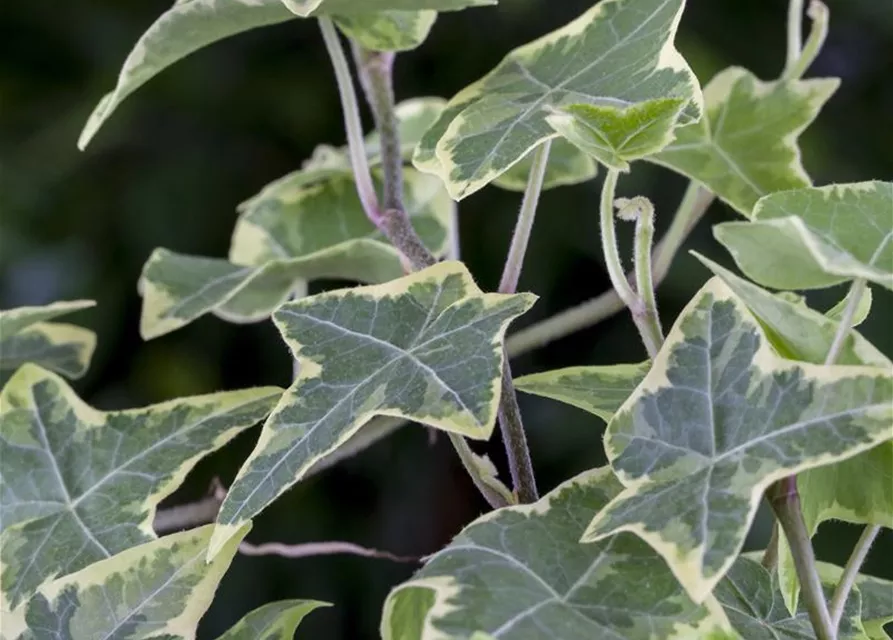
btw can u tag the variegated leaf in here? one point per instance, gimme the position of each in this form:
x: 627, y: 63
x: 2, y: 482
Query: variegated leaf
x: 159, y: 589
x: 566, y: 165
x: 857, y: 490
x: 26, y: 336
x: 190, y: 25
x: 718, y: 418
x: 746, y: 144
x: 863, y: 307
x: 273, y: 621
x: 598, y: 390
x: 614, y: 135
x: 286, y: 236
x: 387, y: 30
x: 618, y: 53
x: 520, y: 573
x: 80, y: 485
x: 306, y: 8
x: 426, y: 347
x: 752, y: 601
x: 816, y: 237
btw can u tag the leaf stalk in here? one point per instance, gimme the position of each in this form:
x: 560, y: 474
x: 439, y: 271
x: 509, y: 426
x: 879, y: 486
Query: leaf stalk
x: 851, y: 572
x: 818, y: 32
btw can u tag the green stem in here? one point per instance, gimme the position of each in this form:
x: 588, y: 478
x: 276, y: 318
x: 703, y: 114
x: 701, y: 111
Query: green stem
x: 785, y: 502
x: 851, y: 572
x: 692, y: 208
x: 818, y: 32
x: 795, y: 35
x: 609, y: 243
x: 352, y: 124
x: 644, y: 238
x: 857, y: 288
x: 515, y: 260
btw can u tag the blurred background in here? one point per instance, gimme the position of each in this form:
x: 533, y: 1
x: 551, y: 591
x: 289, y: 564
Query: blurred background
x: 173, y: 163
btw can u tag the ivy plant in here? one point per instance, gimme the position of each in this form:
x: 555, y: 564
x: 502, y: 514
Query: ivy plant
x: 749, y: 396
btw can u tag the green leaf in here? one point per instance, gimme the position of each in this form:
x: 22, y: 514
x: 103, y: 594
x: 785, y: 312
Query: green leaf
x: 387, y: 30
x: 598, y: 390
x: 159, y: 589
x: 286, y: 236
x: 717, y: 419
x: 617, y: 135
x: 273, y: 621
x: 746, y: 145
x: 816, y: 237
x: 426, y: 347
x: 794, y: 330
x: 520, y: 572
x: 567, y: 165
x: 190, y: 25
x: 618, y: 53
x: 863, y: 307
x: 306, y: 8
x: 856, y: 490
x: 80, y: 485
x: 25, y: 336
x: 751, y: 599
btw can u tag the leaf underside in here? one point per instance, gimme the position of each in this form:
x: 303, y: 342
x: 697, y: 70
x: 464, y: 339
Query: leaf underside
x: 717, y: 419
x: 816, y: 237
x: 273, y: 621
x: 746, y: 144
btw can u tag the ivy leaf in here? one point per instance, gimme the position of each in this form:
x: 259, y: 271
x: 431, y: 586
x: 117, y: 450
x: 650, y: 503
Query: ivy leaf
x: 566, y: 165
x: 190, y: 25
x: 751, y: 599
x: 283, y: 237
x: 80, y: 485
x: 25, y: 336
x: 159, y: 589
x: 598, y: 390
x: 617, y: 135
x: 816, y: 237
x: 746, y: 144
x: 520, y: 572
x: 426, y: 347
x: 618, y: 53
x: 388, y: 30
x: 863, y: 307
x: 306, y: 8
x: 856, y: 490
x: 273, y: 621
x: 717, y: 419
x: 794, y: 330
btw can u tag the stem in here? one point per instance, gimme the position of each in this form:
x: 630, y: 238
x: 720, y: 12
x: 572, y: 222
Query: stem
x: 851, y: 572
x: 307, y: 549
x: 818, y: 32
x: 650, y: 320
x: 520, y: 466
x: 352, y: 124
x: 609, y: 243
x: 376, y: 76
x: 692, y: 208
x: 785, y: 503
x: 185, y: 516
x: 795, y: 35
x: 857, y: 288
x: 515, y: 260
x: 376, y: 73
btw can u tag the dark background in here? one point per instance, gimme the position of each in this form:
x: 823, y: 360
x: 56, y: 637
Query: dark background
x: 175, y: 160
